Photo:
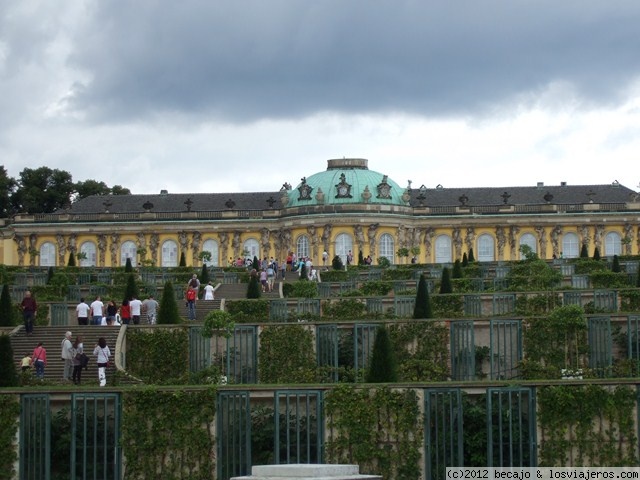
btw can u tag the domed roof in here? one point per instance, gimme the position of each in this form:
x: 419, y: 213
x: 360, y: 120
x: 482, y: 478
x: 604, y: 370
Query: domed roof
x: 346, y: 181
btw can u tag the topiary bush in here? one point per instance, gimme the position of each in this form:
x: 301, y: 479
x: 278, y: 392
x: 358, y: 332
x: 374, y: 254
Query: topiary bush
x: 168, y: 312
x: 382, y: 364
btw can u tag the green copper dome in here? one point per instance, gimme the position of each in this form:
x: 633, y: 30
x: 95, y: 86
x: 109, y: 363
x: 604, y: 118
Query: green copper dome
x: 346, y: 181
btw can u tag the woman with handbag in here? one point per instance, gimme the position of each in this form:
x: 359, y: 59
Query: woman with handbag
x: 77, y: 360
x: 39, y: 359
x: 103, y: 353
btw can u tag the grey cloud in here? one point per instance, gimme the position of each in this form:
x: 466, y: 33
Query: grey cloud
x: 244, y: 61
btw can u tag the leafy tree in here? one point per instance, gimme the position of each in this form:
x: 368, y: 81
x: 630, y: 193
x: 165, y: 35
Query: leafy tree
x: 336, y: 263
x: 183, y: 260
x: 204, y: 274
x: 253, y: 289
x: 465, y: 259
x: 383, y: 365
x: 422, y: 307
x: 50, y: 274
x: 584, y: 253
x: 120, y: 190
x: 457, y: 270
x: 7, y: 187
x: 131, y: 290
x: 471, y: 257
x: 445, y: 282
x: 91, y: 187
x: 596, y: 253
x: 7, y: 311
x: 532, y: 273
x: 42, y: 190
x: 9, y: 377
x: 128, y: 268
x: 615, y: 267
x: 168, y: 312
x: 72, y: 260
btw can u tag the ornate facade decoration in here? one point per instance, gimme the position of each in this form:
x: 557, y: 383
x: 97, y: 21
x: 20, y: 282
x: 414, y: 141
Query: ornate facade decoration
x: 196, y: 238
x: 304, y: 189
x: 359, y: 234
x: 555, y: 240
x: 115, y: 247
x: 315, y: 241
x: 501, y: 238
x: 371, y: 234
x: 513, y: 240
x: 585, y: 238
x: 457, y: 242
x: 235, y: 244
x: 33, y: 251
x: 102, y: 249
x: 265, y: 242
x: 429, y: 233
x: 320, y: 196
x: 384, y: 189
x: 402, y: 237
x: 597, y: 237
x: 154, y: 243
x: 343, y: 189
x: 62, y: 248
x: 223, y: 237
x: 627, y: 239
x: 326, y: 236
x: 542, y: 240
x: 22, y: 248
x: 366, y: 194
x: 470, y: 238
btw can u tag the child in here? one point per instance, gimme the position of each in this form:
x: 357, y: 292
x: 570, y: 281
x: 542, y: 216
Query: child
x: 25, y: 363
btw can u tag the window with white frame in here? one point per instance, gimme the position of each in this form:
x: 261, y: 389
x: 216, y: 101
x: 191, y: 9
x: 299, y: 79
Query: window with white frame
x: 252, y: 248
x: 211, y: 246
x: 169, y: 256
x: 302, y: 246
x: 443, y: 249
x: 344, y: 244
x: 486, y: 248
x: 129, y: 250
x: 88, y: 251
x: 530, y: 241
x: 570, y: 244
x: 386, y: 246
x: 47, y: 255
x: 612, y: 244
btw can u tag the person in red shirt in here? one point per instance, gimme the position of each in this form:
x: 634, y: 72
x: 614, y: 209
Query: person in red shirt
x: 29, y: 309
x: 39, y: 360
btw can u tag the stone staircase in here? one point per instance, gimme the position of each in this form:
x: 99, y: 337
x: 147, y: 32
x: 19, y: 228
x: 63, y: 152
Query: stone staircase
x: 51, y: 338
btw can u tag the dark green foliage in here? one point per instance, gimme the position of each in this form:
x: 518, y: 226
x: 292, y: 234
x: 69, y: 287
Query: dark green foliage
x: 7, y: 310
x: 72, y: 260
x: 9, y: 415
x: 584, y: 253
x: 596, y: 253
x: 253, y: 289
x: 445, y: 282
x: 183, y: 260
x: 422, y: 351
x: 247, y: 311
x: 131, y: 290
x: 303, y: 273
x: 422, y: 308
x: 286, y: 355
x: 300, y: 289
x: 160, y: 356
x: 204, y: 275
x: 168, y: 313
x: 360, y: 258
x: 345, y: 308
x: 376, y: 287
x: 638, y: 278
x: 457, y: 270
x: 382, y: 365
x: 9, y: 377
x: 471, y: 257
x: 50, y: 274
x: 128, y: 267
x: 256, y: 263
x: 465, y: 260
x: 336, y: 263
x: 532, y: 273
x: 615, y: 267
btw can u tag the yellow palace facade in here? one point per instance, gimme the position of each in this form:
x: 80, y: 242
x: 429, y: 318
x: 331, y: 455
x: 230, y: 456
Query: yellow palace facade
x: 346, y: 207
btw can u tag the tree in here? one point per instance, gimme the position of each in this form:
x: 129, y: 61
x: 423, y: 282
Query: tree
x: 131, y: 290
x: 72, y: 260
x: 596, y: 253
x: 360, y: 258
x: 7, y: 187
x: 168, y: 312
x: 471, y: 257
x: 9, y: 377
x: 42, y: 190
x: 89, y: 188
x: 445, y: 282
x: 7, y: 311
x: 383, y: 365
x: 465, y: 260
x: 336, y: 263
x: 403, y: 253
x: 128, y: 268
x: 584, y: 253
x: 256, y: 263
x: 204, y: 274
x: 183, y: 259
x: 457, y: 270
x: 120, y: 190
x: 253, y: 289
x: 615, y: 267
x: 422, y: 307
x: 50, y: 274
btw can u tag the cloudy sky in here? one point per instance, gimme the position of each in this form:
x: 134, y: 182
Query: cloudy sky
x: 213, y: 96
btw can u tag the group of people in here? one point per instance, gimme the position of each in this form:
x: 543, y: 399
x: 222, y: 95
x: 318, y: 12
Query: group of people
x: 191, y: 295
x: 74, y: 357
x: 130, y: 311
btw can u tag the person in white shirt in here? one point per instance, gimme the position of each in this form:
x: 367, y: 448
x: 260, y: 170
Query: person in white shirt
x: 136, y: 309
x: 208, y: 292
x: 67, y: 355
x: 82, y: 310
x: 103, y: 353
x: 97, y: 308
x: 150, y: 306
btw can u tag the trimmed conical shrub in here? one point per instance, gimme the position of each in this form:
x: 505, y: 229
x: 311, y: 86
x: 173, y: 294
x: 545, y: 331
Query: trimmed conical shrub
x: 304, y: 275
x: 422, y: 308
x: 256, y: 263
x: 360, y: 258
x: 183, y: 259
x: 445, y: 281
x: 457, y: 270
x: 131, y: 290
x: 471, y: 257
x: 7, y: 312
x: 9, y: 377
x: 336, y: 263
x: 382, y: 365
x: 584, y: 253
x: 204, y: 275
x: 615, y: 267
x: 596, y: 253
x: 465, y: 259
x: 72, y: 260
x: 253, y: 289
x: 128, y: 267
x: 49, y: 275
x: 168, y: 313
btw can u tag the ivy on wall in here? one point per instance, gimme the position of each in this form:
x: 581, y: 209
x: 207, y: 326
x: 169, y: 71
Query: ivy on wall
x: 9, y: 412
x: 169, y: 434
x: 286, y: 355
x: 248, y: 311
x: 587, y: 425
x: 421, y: 350
x: 160, y: 356
x: 379, y: 429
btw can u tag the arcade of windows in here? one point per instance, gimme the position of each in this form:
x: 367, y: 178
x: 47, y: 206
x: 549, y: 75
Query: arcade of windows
x: 485, y: 243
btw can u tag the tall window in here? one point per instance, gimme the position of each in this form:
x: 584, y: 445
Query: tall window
x: 530, y: 241
x: 47, y: 255
x: 570, y: 245
x: 344, y: 243
x: 486, y: 248
x: 129, y: 250
x: 89, y: 251
x: 387, y: 247
x: 252, y: 248
x: 211, y: 246
x: 169, y: 257
x: 443, y: 249
x: 302, y: 246
x: 612, y: 244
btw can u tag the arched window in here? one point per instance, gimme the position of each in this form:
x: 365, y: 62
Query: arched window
x: 530, y: 241
x: 387, y: 247
x: 344, y: 244
x: 211, y: 246
x: 443, y: 249
x: 169, y: 256
x: 302, y: 246
x: 612, y: 244
x: 89, y: 251
x: 570, y: 245
x: 47, y: 255
x: 129, y: 250
x: 486, y: 251
x: 252, y: 248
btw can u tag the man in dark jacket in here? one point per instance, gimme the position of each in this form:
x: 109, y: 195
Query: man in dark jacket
x: 29, y: 309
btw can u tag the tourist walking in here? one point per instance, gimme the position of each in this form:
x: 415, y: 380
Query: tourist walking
x: 67, y: 355
x: 29, y: 309
x: 151, y: 306
x: 39, y: 359
x: 77, y: 360
x: 102, y: 352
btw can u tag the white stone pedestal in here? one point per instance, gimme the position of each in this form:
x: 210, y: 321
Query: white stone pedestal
x: 304, y: 471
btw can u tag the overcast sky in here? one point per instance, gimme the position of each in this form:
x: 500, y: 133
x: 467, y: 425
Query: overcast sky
x: 213, y: 96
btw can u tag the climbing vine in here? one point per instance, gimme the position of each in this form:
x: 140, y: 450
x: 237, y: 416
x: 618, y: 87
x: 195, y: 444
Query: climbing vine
x: 421, y: 350
x: 9, y: 412
x: 169, y: 434
x: 160, y: 357
x: 379, y: 429
x: 286, y: 355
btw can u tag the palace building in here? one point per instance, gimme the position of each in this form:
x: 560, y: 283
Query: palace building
x: 346, y: 207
